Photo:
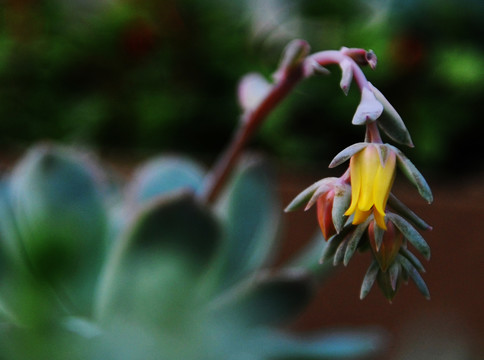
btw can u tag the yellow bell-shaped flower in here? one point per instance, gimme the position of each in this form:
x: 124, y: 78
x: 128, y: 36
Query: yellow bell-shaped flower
x: 372, y: 172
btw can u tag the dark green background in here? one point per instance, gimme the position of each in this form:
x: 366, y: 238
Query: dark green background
x: 148, y: 76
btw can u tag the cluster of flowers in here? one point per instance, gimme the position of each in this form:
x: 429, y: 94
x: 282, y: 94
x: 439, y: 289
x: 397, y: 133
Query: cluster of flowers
x: 357, y: 211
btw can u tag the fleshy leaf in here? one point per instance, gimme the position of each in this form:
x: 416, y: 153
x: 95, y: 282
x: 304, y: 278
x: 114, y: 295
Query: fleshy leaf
x: 369, y: 108
x: 354, y: 239
x: 326, y: 185
x: 410, y: 234
x: 369, y: 279
x: 414, y: 274
x: 341, y: 202
x: 394, y: 273
x: 392, y: 125
x: 412, y: 258
x: 333, y: 243
x: 250, y: 212
x: 336, y: 345
x: 403, y: 210
x: 340, y: 252
x: 346, y: 76
x: 59, y: 207
x: 269, y: 298
x: 413, y: 175
x: 385, y: 285
x: 158, y: 259
x: 253, y: 88
x: 347, y: 153
x: 302, y: 198
x: 379, y: 233
x: 162, y: 175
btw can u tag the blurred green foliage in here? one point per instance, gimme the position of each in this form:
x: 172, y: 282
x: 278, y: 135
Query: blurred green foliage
x: 162, y: 75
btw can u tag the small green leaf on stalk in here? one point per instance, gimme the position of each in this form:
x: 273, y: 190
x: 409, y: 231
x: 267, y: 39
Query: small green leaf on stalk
x: 385, y: 285
x: 410, y: 234
x: 404, y: 211
x: 347, y: 153
x: 412, y: 258
x: 332, y: 245
x: 369, y: 279
x: 394, y: 273
x: 326, y: 185
x: 302, y: 198
x: 414, y: 274
x: 341, y: 202
x: 378, y: 233
x: 340, y: 253
x: 354, y: 239
x: 413, y: 175
x: 392, y: 125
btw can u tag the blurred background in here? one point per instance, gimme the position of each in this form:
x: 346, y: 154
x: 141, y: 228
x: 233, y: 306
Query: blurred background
x: 140, y: 77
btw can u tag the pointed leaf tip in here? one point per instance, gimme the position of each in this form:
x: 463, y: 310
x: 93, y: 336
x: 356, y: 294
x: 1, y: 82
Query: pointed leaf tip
x: 392, y: 125
x: 347, y: 153
x: 410, y: 234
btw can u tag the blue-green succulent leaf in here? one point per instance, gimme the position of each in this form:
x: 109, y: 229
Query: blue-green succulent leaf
x: 250, y: 211
x: 153, y: 268
x: 410, y: 234
x: 337, y: 345
x: 269, y: 298
x: 413, y: 175
x: 303, y: 197
x: 414, y: 274
x: 340, y: 252
x: 369, y: 279
x: 354, y: 240
x: 412, y: 258
x: 341, y: 203
x: 392, y: 124
x: 347, y: 153
x: 163, y: 175
x: 59, y: 208
x: 404, y: 211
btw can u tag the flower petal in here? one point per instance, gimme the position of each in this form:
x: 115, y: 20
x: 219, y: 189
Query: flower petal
x: 370, y: 166
x: 360, y: 216
x: 384, y: 178
x: 355, y: 173
x: 380, y: 219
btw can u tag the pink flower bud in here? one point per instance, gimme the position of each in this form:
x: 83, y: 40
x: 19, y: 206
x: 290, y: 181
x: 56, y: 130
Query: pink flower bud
x: 325, y: 214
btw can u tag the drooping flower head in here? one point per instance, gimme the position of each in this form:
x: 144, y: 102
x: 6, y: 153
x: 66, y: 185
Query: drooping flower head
x: 372, y: 172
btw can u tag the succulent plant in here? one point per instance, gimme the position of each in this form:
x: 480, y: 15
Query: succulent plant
x: 96, y: 269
